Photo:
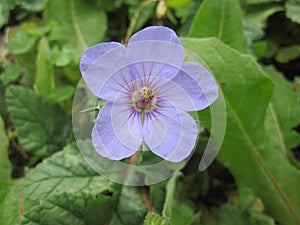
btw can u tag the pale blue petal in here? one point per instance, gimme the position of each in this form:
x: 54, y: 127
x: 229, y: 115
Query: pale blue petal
x: 170, y: 133
x: 94, y: 52
x: 115, y: 134
x: 155, y: 51
x: 103, y: 68
x: 126, y: 123
x: 194, y: 88
x: 154, y: 58
x: 156, y: 33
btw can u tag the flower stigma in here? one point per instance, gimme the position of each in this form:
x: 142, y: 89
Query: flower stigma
x: 144, y: 99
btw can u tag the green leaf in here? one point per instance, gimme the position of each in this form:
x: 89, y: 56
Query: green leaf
x: 271, y: 49
x: 252, y: 31
x: 247, y: 200
x: 170, y: 189
x: 157, y: 194
x: 154, y: 219
x: 72, y: 208
x: 33, y: 5
x: 248, y: 150
x: 256, y: 218
x: 5, y: 165
x: 45, y: 81
x: 72, y: 72
x: 9, y: 202
x: 284, y: 55
x: 255, y: 20
x: 229, y: 215
x: 109, y: 6
x: 260, y: 14
x: 116, y: 221
x: 28, y: 65
x: 177, y: 3
x: 292, y: 10
x: 4, y: 13
x: 43, y: 128
x: 20, y: 40
x: 183, y: 213
x: 65, y: 171
x: 259, y: 48
x: 283, y: 115
x: 63, y: 57
x: 221, y: 19
x: 131, y: 208
x: 62, y: 93
x: 79, y: 23
x: 3, y: 108
x: 10, y: 74
x: 258, y: 2
x: 296, y: 86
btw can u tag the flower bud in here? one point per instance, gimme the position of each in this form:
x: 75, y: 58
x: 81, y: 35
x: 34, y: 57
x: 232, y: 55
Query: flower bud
x: 161, y: 9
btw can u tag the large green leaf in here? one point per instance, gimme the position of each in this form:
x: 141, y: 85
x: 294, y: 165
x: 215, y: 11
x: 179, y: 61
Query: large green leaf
x: 78, y: 22
x: 247, y: 148
x: 131, y: 208
x: 221, y: 19
x: 72, y: 208
x: 9, y: 202
x: 283, y: 115
x: 65, y: 171
x: 42, y: 127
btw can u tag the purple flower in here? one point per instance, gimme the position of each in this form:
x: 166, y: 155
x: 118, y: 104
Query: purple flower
x: 149, y: 90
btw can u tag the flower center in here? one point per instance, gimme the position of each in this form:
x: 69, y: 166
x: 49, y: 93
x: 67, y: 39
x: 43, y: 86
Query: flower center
x: 144, y: 99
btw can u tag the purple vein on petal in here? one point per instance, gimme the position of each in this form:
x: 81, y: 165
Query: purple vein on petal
x: 157, y: 80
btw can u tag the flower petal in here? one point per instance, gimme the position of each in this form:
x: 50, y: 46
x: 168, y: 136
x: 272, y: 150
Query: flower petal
x: 155, y: 51
x: 156, y: 33
x: 94, y: 52
x: 170, y: 133
x: 194, y: 88
x: 97, y: 71
x: 116, y: 135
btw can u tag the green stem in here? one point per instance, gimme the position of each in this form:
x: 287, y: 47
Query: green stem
x: 75, y: 24
x: 135, y: 17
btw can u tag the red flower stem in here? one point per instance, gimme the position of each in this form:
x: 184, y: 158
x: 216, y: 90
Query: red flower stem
x: 147, y: 200
x: 131, y: 162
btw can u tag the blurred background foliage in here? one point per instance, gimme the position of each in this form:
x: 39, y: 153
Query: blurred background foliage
x: 255, y: 57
